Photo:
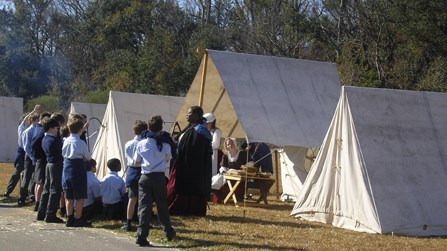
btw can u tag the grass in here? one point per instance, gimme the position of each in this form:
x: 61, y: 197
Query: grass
x: 261, y: 227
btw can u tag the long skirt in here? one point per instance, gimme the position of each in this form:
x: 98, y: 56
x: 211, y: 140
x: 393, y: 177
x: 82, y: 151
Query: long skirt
x: 181, y: 204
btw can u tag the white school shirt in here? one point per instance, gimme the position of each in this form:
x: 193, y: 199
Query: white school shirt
x: 27, y: 136
x: 130, y: 148
x: 75, y: 148
x: 151, y: 158
x: 93, y: 189
x: 22, y: 127
x: 113, y: 188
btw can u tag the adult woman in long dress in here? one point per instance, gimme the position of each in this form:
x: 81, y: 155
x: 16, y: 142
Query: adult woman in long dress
x: 216, y: 135
x: 189, y: 184
x: 233, y: 159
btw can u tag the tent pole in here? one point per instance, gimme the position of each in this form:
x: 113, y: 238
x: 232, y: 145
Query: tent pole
x: 202, y: 83
x: 276, y: 173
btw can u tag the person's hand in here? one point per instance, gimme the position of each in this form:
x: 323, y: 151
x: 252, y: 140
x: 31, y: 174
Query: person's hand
x: 37, y: 109
x: 223, y: 169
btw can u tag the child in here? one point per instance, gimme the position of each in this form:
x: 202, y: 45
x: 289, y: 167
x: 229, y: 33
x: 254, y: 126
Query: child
x: 26, y: 138
x: 74, y: 178
x: 19, y: 163
x: 113, y: 189
x: 52, y: 146
x: 153, y: 155
x: 133, y: 172
x: 64, y: 133
x: 40, y: 159
x: 92, y: 205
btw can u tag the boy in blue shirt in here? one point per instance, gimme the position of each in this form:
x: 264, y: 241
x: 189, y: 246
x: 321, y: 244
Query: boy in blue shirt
x: 113, y: 190
x: 154, y: 157
x: 74, y: 178
x: 26, y: 138
x: 52, y: 146
x: 40, y: 157
x: 93, y: 204
x: 133, y: 172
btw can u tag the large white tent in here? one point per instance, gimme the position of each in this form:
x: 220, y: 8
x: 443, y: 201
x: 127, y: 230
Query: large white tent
x: 11, y: 110
x: 282, y: 101
x: 382, y: 167
x: 95, y: 113
x: 121, y: 112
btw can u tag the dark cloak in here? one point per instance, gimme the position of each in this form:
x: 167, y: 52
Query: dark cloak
x: 190, y: 177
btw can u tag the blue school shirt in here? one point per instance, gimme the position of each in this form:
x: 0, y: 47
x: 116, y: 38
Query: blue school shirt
x: 150, y: 156
x: 52, y: 146
x: 93, y: 189
x: 129, y: 148
x: 27, y: 136
x: 22, y: 127
x: 112, y: 188
x: 75, y: 148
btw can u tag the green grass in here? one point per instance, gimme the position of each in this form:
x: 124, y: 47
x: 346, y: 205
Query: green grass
x: 261, y: 227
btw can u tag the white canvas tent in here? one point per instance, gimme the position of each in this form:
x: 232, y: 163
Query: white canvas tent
x: 92, y: 111
x: 11, y: 110
x: 121, y: 112
x: 281, y: 101
x: 382, y: 167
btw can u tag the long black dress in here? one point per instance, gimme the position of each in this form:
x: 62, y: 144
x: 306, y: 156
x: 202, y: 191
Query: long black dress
x: 189, y: 184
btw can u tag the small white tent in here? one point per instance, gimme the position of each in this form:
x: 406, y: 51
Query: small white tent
x: 121, y: 112
x: 92, y: 111
x: 11, y: 110
x: 382, y: 167
x: 282, y: 101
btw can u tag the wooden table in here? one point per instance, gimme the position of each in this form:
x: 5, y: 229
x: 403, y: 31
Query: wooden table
x: 264, y: 185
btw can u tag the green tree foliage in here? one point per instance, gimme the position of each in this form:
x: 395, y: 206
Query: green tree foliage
x: 48, y: 103
x: 97, y: 97
x: 81, y: 49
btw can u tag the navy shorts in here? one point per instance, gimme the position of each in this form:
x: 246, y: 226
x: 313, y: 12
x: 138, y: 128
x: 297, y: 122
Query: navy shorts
x: 74, y: 179
x: 39, y: 172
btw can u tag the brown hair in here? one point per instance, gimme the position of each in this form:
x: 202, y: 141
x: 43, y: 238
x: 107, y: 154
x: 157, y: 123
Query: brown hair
x: 139, y: 127
x: 156, y: 123
x: 75, y: 123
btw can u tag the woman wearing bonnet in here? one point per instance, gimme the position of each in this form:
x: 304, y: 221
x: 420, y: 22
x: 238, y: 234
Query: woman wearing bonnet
x: 233, y: 159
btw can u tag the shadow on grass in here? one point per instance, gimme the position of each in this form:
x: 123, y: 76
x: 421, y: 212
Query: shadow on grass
x: 8, y: 200
x: 237, y: 219
x: 270, y: 206
x: 229, y: 245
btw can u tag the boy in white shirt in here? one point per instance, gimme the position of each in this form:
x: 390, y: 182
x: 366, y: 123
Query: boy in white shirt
x: 154, y: 156
x: 93, y: 204
x: 133, y: 172
x: 113, y: 189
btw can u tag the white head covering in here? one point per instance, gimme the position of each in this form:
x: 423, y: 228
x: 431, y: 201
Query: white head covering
x: 209, y: 117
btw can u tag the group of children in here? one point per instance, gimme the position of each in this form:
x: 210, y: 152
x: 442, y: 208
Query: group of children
x: 65, y: 178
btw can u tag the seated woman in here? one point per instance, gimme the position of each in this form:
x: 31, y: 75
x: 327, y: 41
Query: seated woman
x: 232, y: 159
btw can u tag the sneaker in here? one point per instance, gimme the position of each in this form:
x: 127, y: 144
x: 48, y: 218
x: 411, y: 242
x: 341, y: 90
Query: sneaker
x: 171, y: 235
x: 31, y: 198
x: 142, y: 243
x: 81, y: 222
x: 70, y: 221
x: 40, y: 216
x: 53, y: 219
x: 126, y: 228
x: 6, y: 195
